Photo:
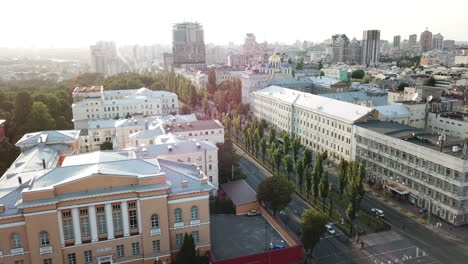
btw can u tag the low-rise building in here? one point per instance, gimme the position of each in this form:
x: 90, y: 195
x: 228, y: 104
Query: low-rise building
x: 203, y: 154
x: 323, y: 84
x: 429, y: 170
x: 415, y: 93
x: 323, y: 124
x: 449, y: 123
x: 101, y: 207
x: 340, y: 74
x: 93, y: 103
x: 204, y: 130
x: 436, y: 58
x: 118, y: 131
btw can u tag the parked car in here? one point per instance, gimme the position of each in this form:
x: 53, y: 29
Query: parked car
x: 277, y: 246
x: 330, y: 229
x: 253, y: 213
x: 377, y: 212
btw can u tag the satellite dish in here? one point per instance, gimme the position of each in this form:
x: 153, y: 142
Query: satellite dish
x: 429, y: 98
x: 415, y: 97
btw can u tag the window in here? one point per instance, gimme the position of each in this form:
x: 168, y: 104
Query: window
x: 194, y: 212
x: 68, y: 229
x: 133, y: 219
x: 117, y: 222
x: 178, y: 215
x: 116, y: 207
x: 16, y: 240
x: 88, y: 257
x: 71, y: 258
x: 85, y: 232
x: 210, y: 167
x: 136, y: 248
x: 196, y: 236
x: 47, y: 261
x: 132, y: 205
x: 155, y: 221
x: 102, y: 225
x: 120, y: 251
x: 44, y: 237
x: 156, y: 246
x: 100, y: 209
x: 179, y: 239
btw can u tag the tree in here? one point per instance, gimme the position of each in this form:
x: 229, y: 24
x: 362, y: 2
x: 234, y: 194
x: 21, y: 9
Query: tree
x: 323, y: 190
x: 355, y: 190
x: 288, y: 165
x: 313, y: 227
x: 185, y: 110
x: 309, y: 178
x: 307, y: 157
x: 39, y: 119
x: 296, y: 146
x: 402, y: 86
x: 8, y: 153
x: 211, y: 85
x: 277, y: 160
x: 236, y: 123
x: 320, y: 65
x: 330, y: 194
x: 187, y: 253
x: 290, y: 61
x: 322, y: 73
x: 275, y: 192
x: 286, y: 144
x: 61, y: 123
x: 272, y: 134
x: 342, y: 176
x: 205, y: 106
x: 23, y: 105
x: 358, y: 74
x: 263, y: 148
x: 431, y: 81
x: 228, y: 159
x: 366, y: 79
x: 106, y: 146
x: 299, y: 169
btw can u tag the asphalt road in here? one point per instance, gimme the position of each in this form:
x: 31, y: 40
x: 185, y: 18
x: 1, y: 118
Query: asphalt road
x: 331, y: 249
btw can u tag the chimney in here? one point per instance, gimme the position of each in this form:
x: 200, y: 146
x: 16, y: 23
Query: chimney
x: 20, y: 181
x: 184, y: 184
x: 169, y: 148
x: 198, y: 145
x: 204, y: 181
x: 43, y: 164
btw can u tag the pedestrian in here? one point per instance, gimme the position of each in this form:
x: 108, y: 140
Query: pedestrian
x: 403, y: 227
x: 362, y: 244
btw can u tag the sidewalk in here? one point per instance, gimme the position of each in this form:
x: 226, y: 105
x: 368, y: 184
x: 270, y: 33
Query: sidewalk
x: 445, y: 229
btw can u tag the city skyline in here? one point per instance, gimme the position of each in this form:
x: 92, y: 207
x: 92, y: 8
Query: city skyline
x: 144, y: 22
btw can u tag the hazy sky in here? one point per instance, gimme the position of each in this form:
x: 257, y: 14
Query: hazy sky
x: 79, y: 23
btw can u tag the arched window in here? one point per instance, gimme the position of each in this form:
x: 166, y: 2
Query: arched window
x: 194, y: 212
x: 178, y: 215
x: 155, y: 221
x: 44, y: 237
x: 16, y: 240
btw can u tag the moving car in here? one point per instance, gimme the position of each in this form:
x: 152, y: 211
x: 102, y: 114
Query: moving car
x: 330, y: 229
x: 377, y: 212
x: 253, y: 213
x: 277, y: 246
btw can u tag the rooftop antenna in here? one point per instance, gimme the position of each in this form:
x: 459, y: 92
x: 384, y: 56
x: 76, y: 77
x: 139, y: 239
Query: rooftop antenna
x: 415, y: 97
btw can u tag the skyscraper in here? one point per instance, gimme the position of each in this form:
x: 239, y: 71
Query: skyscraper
x: 396, y: 41
x: 370, y: 47
x: 104, y: 58
x: 339, y: 45
x: 355, y: 52
x: 425, y: 41
x: 188, y: 45
x: 437, y: 41
x: 413, y: 39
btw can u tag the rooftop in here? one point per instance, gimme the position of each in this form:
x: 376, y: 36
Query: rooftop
x: 340, y: 110
x: 394, y: 111
x: 416, y: 136
x: 193, y: 126
x: 48, y: 137
x: 180, y: 147
x: 239, y: 192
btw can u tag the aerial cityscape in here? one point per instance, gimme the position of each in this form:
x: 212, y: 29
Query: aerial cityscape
x: 233, y: 132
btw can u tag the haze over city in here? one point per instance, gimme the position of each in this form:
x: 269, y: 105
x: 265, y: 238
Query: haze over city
x: 72, y: 24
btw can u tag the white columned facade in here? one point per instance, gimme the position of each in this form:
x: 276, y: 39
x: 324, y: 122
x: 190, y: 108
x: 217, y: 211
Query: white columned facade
x: 110, y: 222
x: 140, y: 228
x: 125, y: 220
x: 76, y: 225
x: 93, y: 223
x: 60, y: 222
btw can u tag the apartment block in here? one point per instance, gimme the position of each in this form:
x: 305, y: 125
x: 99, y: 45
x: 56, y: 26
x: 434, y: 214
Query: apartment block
x: 324, y: 124
x: 93, y: 103
x: 430, y: 170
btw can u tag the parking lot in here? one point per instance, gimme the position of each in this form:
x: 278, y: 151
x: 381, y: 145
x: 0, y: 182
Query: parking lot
x: 234, y: 236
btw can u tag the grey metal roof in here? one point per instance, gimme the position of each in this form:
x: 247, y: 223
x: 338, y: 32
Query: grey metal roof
x: 239, y: 192
x: 176, y: 148
x: 49, y: 137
